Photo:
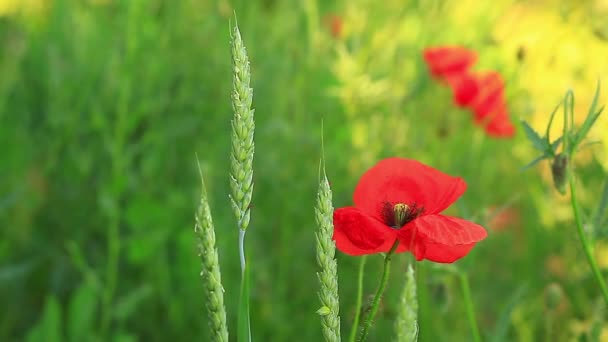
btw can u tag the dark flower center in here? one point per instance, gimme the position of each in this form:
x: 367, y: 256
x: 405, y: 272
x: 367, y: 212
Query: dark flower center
x: 396, y: 215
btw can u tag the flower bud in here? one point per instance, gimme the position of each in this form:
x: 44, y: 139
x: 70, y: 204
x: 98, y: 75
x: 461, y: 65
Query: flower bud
x: 559, y: 171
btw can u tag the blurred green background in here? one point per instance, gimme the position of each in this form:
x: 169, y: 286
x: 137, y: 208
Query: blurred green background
x: 104, y: 103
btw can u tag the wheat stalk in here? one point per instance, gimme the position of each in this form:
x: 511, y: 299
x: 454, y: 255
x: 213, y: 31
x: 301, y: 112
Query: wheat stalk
x: 406, y: 325
x: 212, y: 279
x: 328, y: 277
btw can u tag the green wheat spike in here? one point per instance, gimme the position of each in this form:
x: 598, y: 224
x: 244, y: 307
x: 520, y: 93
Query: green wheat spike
x: 328, y: 277
x: 406, y: 325
x: 241, y: 159
x: 241, y: 165
x: 212, y: 279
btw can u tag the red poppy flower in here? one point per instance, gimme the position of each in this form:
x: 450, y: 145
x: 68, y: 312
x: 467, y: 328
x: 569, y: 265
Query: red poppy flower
x: 483, y: 93
x: 465, y: 88
x: 500, y: 125
x: 402, y: 199
x: 501, y: 219
x: 334, y: 24
x: 489, y: 105
x: 444, y: 61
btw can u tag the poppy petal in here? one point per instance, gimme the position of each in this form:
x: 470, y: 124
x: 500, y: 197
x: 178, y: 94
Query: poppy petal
x: 446, y: 60
x: 500, y: 126
x: 464, y: 87
x: 356, y: 233
x: 445, y: 239
x: 490, y: 96
x: 398, y: 180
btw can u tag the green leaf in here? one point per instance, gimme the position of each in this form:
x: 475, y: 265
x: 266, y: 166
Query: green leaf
x: 555, y: 145
x: 551, y: 121
x: 501, y: 329
x: 81, y: 313
x: 48, y: 328
x: 534, y: 162
x: 533, y: 136
x: 586, y: 126
x: 596, y: 97
x: 244, y: 329
x: 127, y: 305
x: 568, y: 126
x: 591, y: 143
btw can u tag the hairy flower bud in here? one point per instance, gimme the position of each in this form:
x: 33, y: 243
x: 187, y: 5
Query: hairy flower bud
x: 559, y: 171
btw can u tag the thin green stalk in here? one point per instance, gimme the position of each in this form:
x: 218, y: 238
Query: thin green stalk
x: 585, y: 242
x: 113, y: 252
x: 549, y: 327
x: 355, y: 327
x: 119, y: 165
x: 466, y: 293
x: 378, y: 296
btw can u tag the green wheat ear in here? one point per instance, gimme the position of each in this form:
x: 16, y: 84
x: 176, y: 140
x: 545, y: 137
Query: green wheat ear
x: 212, y: 279
x: 406, y: 325
x: 241, y: 159
x: 241, y: 165
x: 328, y: 277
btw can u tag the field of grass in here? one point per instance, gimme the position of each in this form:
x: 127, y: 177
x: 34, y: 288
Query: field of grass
x: 105, y: 104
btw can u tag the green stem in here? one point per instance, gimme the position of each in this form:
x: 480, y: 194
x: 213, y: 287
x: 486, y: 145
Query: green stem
x: 353, y: 330
x: 376, y: 302
x: 586, y: 245
x: 549, y: 327
x: 466, y: 293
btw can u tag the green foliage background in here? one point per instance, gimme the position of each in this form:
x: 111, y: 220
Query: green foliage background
x: 103, y: 105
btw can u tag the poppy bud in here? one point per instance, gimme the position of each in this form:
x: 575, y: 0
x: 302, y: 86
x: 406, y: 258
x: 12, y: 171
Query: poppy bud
x: 521, y: 53
x: 559, y: 170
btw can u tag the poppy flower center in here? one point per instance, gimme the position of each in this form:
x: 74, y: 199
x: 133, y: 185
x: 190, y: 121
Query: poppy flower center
x: 398, y: 214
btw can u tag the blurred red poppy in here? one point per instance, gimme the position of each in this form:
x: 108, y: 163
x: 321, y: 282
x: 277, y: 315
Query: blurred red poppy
x: 334, y: 24
x: 401, y: 199
x: 483, y: 93
x: 445, y: 61
x: 465, y: 88
x: 503, y: 218
x: 489, y: 105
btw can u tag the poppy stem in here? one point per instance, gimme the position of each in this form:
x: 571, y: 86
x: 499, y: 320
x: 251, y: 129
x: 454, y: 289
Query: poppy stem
x: 369, y: 320
x: 587, y: 247
x: 466, y: 293
x: 353, y: 332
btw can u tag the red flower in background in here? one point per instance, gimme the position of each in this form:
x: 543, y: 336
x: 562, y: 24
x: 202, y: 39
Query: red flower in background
x: 334, y: 24
x: 465, y: 88
x: 483, y: 93
x: 489, y: 105
x: 445, y: 61
x: 401, y: 199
